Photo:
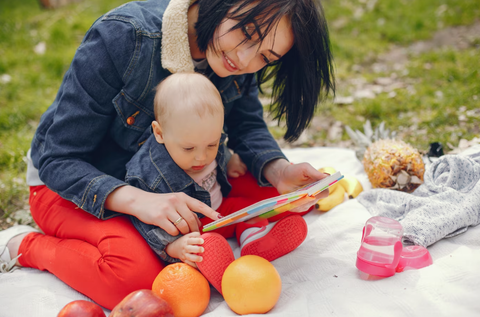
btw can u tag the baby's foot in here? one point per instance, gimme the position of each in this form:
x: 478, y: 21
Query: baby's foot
x: 216, y: 258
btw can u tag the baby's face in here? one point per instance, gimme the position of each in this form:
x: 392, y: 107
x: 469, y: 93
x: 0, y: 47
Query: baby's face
x: 193, y: 141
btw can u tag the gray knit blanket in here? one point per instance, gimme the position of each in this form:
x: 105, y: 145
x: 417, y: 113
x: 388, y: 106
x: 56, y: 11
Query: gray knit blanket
x: 445, y: 205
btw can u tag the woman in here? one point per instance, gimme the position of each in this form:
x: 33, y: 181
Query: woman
x: 104, y: 107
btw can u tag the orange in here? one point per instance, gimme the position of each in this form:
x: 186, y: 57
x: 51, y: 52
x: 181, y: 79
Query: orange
x: 251, y: 285
x: 184, y: 288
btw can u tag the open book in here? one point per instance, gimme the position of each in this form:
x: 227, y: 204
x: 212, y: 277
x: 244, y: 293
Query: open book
x: 273, y: 206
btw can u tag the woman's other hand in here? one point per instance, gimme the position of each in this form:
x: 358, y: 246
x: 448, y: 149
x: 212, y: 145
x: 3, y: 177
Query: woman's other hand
x: 287, y: 177
x: 172, y: 212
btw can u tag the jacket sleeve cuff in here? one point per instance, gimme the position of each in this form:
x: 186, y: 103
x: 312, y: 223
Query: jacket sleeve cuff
x: 158, y: 240
x: 93, y: 200
x: 167, y: 258
x: 261, y: 160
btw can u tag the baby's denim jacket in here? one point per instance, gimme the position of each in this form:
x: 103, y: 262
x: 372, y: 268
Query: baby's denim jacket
x: 152, y: 169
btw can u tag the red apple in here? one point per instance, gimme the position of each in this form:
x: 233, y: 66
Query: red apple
x: 81, y: 308
x: 142, y: 303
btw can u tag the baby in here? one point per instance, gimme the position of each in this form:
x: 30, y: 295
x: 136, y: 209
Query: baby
x: 187, y: 134
x: 187, y: 153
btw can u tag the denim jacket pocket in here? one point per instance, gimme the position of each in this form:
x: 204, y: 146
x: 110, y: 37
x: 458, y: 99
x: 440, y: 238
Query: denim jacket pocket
x: 132, y: 125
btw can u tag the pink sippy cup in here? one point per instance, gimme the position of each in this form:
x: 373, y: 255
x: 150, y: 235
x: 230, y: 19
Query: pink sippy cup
x: 381, y: 246
x: 382, y: 253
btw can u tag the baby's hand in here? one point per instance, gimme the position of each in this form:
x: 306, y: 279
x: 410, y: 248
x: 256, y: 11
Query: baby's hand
x: 236, y: 167
x: 187, y: 248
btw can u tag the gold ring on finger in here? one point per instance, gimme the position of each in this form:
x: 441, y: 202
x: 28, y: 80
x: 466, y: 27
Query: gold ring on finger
x: 176, y: 222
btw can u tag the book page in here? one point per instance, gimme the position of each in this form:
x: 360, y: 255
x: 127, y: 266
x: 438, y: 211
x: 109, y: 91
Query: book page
x: 273, y: 206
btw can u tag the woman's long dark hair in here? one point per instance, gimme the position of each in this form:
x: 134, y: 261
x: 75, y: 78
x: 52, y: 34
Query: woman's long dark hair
x: 303, y: 76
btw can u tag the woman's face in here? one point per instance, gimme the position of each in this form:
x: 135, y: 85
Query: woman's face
x: 233, y: 58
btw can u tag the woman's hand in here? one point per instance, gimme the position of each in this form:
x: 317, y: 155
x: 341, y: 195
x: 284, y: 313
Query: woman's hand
x: 286, y: 177
x: 187, y: 248
x: 172, y: 212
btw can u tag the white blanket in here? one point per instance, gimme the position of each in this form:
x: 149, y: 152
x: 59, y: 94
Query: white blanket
x: 319, y: 278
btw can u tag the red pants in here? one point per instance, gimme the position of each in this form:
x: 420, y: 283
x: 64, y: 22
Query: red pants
x: 106, y: 259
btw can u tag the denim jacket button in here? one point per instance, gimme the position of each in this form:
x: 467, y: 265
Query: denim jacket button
x: 130, y: 120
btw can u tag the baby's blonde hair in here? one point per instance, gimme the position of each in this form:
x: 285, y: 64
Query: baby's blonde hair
x: 186, y: 92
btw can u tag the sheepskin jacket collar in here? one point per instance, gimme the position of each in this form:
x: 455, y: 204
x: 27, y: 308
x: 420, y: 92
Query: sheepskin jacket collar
x: 176, y: 55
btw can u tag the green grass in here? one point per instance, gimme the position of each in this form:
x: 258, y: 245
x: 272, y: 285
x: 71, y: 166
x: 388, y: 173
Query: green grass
x: 442, y: 86
x: 359, y: 32
x: 34, y: 78
x: 448, y: 89
x: 359, y: 37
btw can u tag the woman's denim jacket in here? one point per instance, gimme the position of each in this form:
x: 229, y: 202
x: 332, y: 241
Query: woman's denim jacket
x: 153, y: 170
x: 104, y: 107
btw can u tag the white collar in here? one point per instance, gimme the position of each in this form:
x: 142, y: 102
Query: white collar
x: 176, y: 56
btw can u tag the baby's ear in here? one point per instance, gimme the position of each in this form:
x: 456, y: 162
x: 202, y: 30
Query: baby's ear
x: 157, y: 131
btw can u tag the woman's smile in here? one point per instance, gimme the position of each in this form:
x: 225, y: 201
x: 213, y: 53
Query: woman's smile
x: 229, y: 64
